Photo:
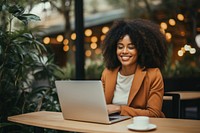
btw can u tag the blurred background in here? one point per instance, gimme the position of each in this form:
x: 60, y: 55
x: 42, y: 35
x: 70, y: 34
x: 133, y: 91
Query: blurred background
x: 179, y: 20
x: 39, y: 39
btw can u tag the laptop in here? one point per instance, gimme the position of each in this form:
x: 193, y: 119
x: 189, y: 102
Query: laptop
x: 84, y: 100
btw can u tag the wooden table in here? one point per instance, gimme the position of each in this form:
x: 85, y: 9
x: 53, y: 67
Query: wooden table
x: 187, y: 95
x: 54, y: 120
x: 187, y: 99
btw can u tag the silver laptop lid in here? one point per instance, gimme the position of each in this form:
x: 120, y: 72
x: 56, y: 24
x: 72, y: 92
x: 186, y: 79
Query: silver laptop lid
x: 82, y: 100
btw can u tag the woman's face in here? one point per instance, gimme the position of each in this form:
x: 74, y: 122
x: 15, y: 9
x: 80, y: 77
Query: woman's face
x: 126, y: 51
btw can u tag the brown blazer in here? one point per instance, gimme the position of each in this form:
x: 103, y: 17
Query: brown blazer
x: 146, y: 93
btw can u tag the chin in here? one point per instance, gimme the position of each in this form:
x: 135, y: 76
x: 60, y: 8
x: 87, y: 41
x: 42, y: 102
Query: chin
x: 125, y: 64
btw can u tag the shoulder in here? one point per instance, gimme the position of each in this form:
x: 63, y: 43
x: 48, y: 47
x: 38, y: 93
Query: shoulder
x: 108, y: 71
x: 154, y: 74
x: 153, y: 71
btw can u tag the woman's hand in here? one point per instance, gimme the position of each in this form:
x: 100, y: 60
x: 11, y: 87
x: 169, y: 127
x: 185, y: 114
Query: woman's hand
x: 113, y: 108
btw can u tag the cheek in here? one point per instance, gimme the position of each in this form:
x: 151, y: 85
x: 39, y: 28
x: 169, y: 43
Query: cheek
x: 117, y: 52
x: 136, y: 57
x: 134, y: 52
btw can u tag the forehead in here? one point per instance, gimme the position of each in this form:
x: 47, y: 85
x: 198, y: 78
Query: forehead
x: 125, y: 38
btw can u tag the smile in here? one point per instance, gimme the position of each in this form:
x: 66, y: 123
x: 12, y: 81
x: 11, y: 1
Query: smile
x: 125, y: 58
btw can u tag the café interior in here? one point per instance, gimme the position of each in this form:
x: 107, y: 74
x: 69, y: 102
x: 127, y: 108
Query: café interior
x: 59, y: 33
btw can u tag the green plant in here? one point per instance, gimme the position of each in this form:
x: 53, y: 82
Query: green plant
x: 94, y: 68
x: 67, y: 73
x: 27, y: 72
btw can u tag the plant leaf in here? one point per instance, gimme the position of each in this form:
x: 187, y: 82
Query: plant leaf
x: 16, y: 10
x: 27, y: 35
x: 25, y: 18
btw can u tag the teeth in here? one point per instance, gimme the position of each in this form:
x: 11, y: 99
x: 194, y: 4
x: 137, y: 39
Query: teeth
x: 125, y: 58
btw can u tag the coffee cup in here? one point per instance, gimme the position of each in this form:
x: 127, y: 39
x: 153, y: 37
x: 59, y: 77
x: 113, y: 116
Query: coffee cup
x: 141, y: 122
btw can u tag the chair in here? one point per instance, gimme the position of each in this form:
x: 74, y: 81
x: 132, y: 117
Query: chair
x: 171, y: 105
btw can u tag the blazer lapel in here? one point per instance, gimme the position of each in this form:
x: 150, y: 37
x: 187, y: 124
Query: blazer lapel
x: 136, y: 84
x: 111, y: 83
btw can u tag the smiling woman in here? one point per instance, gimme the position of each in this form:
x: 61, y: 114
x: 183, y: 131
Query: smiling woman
x: 134, y: 51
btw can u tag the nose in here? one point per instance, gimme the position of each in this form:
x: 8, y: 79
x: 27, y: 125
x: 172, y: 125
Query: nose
x: 125, y: 50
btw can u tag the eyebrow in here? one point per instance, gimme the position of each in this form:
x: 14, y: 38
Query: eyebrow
x: 128, y: 43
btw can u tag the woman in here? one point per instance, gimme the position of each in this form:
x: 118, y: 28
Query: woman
x: 134, y: 51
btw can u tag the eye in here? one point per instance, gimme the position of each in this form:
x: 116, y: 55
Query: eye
x: 131, y: 46
x: 119, y: 46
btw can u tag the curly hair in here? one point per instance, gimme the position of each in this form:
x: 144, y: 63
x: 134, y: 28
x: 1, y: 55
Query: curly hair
x: 149, y: 42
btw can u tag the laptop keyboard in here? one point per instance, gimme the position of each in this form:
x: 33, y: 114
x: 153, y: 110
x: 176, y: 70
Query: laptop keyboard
x: 112, y: 118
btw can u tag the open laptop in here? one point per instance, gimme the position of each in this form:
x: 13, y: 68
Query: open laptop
x: 84, y: 100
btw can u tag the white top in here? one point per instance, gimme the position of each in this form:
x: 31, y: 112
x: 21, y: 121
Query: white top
x: 122, y: 89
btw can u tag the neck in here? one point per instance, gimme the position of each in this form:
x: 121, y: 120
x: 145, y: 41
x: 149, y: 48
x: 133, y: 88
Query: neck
x: 126, y: 71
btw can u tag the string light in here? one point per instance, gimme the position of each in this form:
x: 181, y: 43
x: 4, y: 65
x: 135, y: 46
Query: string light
x: 172, y: 22
x: 102, y: 37
x: 186, y: 48
x: 88, y: 32
x: 65, y: 48
x: 168, y: 36
x: 66, y: 42
x: 182, y: 33
x: 88, y: 53
x: 197, y: 39
x: 180, y: 53
x: 105, y: 29
x: 94, y: 39
x: 180, y: 17
x: 46, y: 40
x: 73, y: 36
x: 163, y: 25
x: 93, y: 45
x: 59, y: 38
x: 98, y: 51
x: 192, y: 51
